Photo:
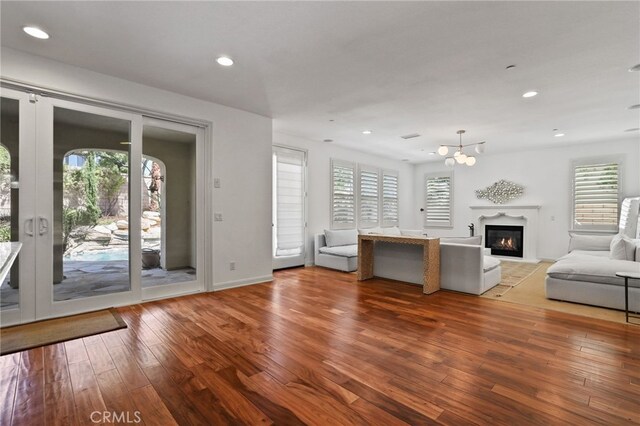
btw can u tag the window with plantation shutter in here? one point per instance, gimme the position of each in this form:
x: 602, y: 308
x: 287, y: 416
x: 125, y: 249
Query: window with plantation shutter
x: 368, y: 196
x: 389, y: 198
x: 596, y: 193
x: 343, y: 195
x: 289, y: 196
x: 438, y: 199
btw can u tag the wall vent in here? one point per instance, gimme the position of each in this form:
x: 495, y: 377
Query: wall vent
x: 411, y: 136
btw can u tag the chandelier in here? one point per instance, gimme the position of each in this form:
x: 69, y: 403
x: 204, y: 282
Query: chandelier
x: 459, y: 156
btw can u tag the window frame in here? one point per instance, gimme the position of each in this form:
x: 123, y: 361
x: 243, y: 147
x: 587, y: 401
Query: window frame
x: 579, y: 162
x: 447, y: 174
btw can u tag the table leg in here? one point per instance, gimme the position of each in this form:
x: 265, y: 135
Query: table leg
x: 365, y: 260
x: 626, y: 299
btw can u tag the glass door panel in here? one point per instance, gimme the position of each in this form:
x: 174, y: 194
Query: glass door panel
x: 17, y: 147
x: 90, y: 204
x: 170, y: 208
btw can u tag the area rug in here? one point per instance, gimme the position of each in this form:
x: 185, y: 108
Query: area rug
x: 40, y: 333
x: 513, y: 273
x: 530, y: 291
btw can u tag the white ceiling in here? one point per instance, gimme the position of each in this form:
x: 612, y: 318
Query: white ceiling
x: 392, y: 67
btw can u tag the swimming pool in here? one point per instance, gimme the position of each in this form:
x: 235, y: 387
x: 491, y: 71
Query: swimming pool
x: 99, y: 256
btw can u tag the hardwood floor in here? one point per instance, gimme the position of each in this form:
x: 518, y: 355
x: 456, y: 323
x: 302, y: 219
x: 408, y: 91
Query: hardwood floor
x: 317, y: 347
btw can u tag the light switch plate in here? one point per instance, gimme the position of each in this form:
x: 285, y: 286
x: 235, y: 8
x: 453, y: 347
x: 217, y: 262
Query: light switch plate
x: 216, y: 182
x: 217, y: 217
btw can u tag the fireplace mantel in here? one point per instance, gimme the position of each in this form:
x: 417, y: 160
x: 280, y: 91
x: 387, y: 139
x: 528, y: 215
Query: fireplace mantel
x: 512, y: 214
x: 502, y: 207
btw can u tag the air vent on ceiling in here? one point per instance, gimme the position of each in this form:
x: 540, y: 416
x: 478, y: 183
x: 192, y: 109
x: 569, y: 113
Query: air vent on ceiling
x: 411, y: 136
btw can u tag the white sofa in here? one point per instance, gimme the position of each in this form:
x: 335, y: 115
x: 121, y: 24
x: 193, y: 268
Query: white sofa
x: 341, y: 251
x: 587, y: 274
x: 463, y: 264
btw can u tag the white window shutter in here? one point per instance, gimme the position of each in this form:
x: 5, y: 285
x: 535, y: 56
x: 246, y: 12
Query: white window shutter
x: 438, y: 197
x: 368, y: 197
x: 289, y: 195
x: 343, y: 195
x: 390, y: 216
x: 596, y: 195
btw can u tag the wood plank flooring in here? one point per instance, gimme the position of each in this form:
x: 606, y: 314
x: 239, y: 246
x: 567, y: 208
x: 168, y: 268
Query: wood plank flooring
x: 318, y: 347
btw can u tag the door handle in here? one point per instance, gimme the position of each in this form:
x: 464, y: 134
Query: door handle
x: 28, y: 227
x: 43, y: 225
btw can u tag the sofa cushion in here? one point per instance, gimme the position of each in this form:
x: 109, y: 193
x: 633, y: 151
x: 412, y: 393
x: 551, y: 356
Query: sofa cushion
x: 343, y: 251
x: 394, y: 230
x: 594, y: 269
x: 490, y: 263
x: 598, y: 253
x: 340, y: 237
x: 472, y: 241
x: 622, y: 248
x: 590, y: 242
x: 367, y: 231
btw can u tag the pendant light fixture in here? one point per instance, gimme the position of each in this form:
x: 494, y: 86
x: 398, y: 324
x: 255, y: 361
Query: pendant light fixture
x: 459, y: 156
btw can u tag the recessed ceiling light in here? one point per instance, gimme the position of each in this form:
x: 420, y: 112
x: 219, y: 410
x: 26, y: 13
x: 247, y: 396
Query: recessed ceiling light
x: 559, y: 135
x: 332, y: 120
x: 36, y: 32
x: 328, y: 140
x: 405, y: 159
x: 225, y: 61
x: 510, y: 67
x: 432, y: 153
x: 530, y: 94
x: 634, y: 129
x: 636, y: 106
x: 366, y: 132
x: 634, y: 68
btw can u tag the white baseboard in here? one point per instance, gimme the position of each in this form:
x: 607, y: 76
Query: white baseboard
x: 309, y: 264
x: 242, y: 283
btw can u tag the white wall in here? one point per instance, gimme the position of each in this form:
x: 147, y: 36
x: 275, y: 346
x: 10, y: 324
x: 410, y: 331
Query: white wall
x: 319, y: 182
x: 546, y: 176
x: 241, y: 158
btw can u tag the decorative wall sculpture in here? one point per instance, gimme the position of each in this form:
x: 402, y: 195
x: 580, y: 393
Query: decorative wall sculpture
x: 501, y: 192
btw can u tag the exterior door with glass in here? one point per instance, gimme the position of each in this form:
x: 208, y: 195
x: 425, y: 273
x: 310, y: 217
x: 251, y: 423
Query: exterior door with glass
x: 289, y: 207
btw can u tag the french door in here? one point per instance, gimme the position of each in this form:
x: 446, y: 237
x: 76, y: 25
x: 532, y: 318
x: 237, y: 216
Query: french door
x: 289, y: 207
x: 109, y: 209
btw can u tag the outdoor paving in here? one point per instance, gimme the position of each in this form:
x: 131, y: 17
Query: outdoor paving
x: 94, y: 278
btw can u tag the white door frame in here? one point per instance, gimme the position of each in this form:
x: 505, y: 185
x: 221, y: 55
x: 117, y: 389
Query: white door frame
x: 25, y: 311
x: 197, y: 285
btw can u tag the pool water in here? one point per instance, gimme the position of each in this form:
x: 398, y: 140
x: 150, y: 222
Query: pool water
x: 99, y: 256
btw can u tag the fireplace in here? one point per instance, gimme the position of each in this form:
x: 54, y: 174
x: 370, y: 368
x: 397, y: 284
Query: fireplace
x: 504, y: 240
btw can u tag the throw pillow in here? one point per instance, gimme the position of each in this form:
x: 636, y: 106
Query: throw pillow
x: 622, y: 248
x: 341, y: 238
x: 590, y: 242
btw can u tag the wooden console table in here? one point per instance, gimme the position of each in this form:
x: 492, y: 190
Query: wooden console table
x: 430, y: 263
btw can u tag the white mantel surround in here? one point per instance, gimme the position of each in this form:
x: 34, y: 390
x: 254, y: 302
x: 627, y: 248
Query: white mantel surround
x: 514, y: 215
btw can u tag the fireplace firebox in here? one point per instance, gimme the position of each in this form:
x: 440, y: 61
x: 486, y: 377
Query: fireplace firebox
x: 504, y: 240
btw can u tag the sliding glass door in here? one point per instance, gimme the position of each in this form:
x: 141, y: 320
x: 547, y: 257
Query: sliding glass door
x: 109, y: 206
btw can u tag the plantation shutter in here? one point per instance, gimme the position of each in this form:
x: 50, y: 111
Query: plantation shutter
x: 369, y: 201
x: 438, y: 197
x: 595, y: 196
x: 289, y: 195
x: 343, y: 195
x: 390, y: 198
